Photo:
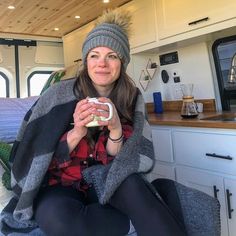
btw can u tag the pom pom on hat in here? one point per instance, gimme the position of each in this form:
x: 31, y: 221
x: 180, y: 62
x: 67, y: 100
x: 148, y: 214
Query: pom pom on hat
x: 111, y: 30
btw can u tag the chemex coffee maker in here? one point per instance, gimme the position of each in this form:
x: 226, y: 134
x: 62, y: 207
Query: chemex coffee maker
x: 189, y: 108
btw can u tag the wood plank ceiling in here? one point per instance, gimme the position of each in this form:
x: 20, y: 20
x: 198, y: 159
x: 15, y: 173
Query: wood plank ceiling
x: 41, y: 17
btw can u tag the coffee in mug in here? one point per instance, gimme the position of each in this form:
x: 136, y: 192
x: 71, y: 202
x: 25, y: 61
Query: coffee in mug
x: 94, y: 122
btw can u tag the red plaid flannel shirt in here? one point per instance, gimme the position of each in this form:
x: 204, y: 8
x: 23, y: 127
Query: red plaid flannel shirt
x: 69, y: 172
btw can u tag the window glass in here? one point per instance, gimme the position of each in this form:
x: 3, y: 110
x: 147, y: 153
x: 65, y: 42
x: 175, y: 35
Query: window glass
x: 3, y: 91
x: 224, y: 54
x: 36, y: 81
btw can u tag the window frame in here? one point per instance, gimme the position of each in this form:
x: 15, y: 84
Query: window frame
x: 4, y: 76
x: 32, y: 74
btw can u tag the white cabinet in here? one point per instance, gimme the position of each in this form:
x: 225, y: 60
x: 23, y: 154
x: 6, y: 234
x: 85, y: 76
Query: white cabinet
x: 72, y: 44
x: 206, y: 150
x: 163, y: 144
x: 204, y: 159
x: 230, y: 190
x: 206, y: 182
x: 163, y: 154
x: 143, y: 28
x: 162, y: 170
x: 175, y: 17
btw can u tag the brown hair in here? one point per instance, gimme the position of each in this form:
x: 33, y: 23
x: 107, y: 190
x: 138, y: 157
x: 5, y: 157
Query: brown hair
x: 123, y: 94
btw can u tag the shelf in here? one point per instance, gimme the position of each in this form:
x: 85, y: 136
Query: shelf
x: 144, y: 80
x: 151, y: 68
x: 147, y: 75
x: 144, y: 84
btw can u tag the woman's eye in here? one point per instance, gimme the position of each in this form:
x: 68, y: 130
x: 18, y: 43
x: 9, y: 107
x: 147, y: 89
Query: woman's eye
x: 93, y: 56
x: 113, y: 56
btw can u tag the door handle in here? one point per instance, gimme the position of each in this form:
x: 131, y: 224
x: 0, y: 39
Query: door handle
x: 216, y: 190
x: 230, y: 210
x: 198, y: 21
x: 219, y: 156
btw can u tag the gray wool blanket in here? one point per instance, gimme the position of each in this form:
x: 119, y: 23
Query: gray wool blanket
x: 33, y: 149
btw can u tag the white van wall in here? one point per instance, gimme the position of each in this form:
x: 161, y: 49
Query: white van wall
x: 193, y: 67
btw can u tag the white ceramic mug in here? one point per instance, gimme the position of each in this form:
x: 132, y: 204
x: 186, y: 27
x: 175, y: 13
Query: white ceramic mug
x: 199, y: 106
x: 94, y: 122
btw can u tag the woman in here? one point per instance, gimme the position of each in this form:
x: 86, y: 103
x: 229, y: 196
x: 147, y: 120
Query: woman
x: 85, y: 181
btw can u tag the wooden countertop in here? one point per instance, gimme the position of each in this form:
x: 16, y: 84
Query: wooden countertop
x: 172, y: 118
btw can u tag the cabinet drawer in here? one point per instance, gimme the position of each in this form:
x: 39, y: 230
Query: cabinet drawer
x: 206, y: 150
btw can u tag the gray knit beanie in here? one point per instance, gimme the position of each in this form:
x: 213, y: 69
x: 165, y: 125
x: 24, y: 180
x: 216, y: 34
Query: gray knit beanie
x: 111, y: 31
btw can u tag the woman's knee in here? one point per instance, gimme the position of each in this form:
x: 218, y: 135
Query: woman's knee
x: 56, y: 217
x: 129, y: 189
x: 133, y: 182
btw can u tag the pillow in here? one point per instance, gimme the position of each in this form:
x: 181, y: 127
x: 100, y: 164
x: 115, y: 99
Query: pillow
x: 12, y: 112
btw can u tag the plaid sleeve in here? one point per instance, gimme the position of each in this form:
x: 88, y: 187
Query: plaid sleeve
x: 127, y: 131
x: 61, y: 157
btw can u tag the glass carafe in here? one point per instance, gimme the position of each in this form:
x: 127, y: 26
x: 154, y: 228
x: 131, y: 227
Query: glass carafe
x: 189, y: 109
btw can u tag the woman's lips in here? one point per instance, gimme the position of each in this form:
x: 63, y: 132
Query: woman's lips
x: 102, y: 72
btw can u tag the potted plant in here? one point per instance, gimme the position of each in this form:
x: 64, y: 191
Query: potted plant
x: 5, y: 150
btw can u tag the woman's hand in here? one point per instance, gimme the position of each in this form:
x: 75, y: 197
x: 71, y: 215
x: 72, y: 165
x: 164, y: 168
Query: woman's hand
x: 83, y: 114
x: 115, y: 128
x: 102, y: 110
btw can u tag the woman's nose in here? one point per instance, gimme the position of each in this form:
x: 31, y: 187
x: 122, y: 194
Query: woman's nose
x: 102, y: 61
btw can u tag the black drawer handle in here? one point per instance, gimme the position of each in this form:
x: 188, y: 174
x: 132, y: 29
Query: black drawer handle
x: 230, y: 210
x: 198, y: 21
x: 219, y: 156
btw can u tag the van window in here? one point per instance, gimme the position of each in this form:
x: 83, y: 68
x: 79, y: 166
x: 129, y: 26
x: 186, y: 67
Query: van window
x: 36, y: 81
x: 224, y: 54
x: 4, y: 85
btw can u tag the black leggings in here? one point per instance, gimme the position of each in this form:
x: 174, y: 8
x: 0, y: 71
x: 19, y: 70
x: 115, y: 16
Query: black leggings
x: 62, y: 211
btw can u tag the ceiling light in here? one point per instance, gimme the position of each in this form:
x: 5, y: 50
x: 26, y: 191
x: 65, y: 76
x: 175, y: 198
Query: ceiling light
x: 56, y: 29
x: 77, y: 17
x: 106, y: 1
x: 11, y: 7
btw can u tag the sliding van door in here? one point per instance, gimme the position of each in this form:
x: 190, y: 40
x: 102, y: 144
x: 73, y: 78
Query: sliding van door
x: 28, y: 63
x: 37, y: 63
x: 7, y: 71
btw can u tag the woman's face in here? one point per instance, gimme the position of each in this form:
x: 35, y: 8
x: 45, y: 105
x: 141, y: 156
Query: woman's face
x: 104, y: 67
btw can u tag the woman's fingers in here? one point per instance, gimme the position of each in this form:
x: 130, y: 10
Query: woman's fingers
x: 86, y: 111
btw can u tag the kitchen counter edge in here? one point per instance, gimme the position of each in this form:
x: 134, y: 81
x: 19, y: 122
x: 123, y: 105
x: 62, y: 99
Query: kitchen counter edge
x: 175, y: 119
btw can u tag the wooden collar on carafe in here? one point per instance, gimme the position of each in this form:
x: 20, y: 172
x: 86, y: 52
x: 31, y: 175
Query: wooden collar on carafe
x: 188, y: 99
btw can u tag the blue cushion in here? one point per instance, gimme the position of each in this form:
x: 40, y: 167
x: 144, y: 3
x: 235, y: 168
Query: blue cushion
x: 12, y: 112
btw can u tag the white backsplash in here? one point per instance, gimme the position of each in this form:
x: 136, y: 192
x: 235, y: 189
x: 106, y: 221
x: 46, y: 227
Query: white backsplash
x: 193, y: 67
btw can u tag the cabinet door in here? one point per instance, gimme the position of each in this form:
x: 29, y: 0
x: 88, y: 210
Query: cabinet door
x: 143, y: 22
x: 162, y: 171
x: 72, y: 44
x: 230, y: 191
x: 175, y: 17
x: 162, y: 144
x: 208, y: 183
